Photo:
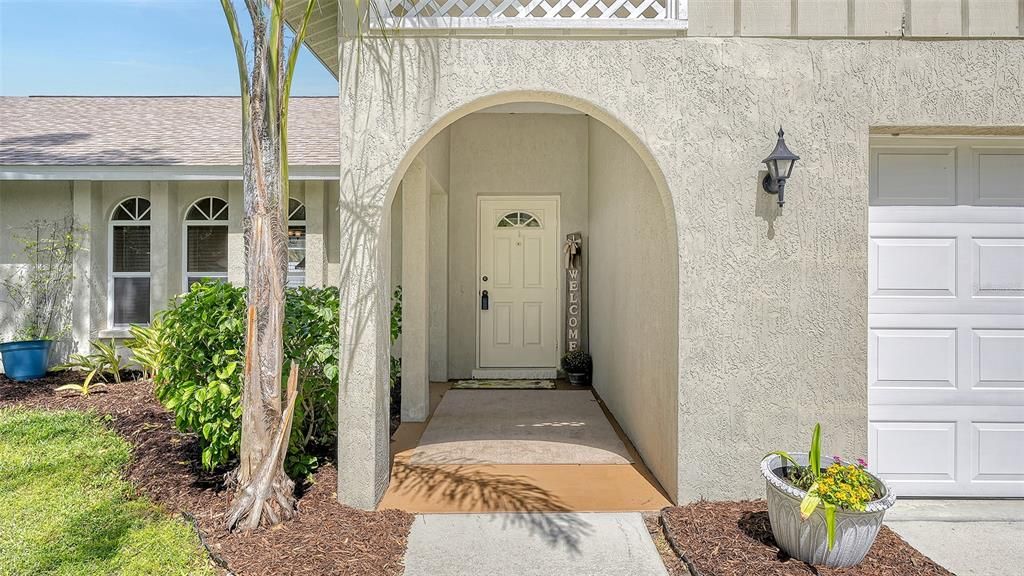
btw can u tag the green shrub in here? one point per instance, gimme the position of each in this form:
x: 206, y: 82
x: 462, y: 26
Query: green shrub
x: 199, y: 375
x: 147, y: 348
x: 311, y: 338
x: 105, y: 360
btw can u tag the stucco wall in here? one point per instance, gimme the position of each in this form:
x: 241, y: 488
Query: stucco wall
x: 773, y: 304
x: 633, y: 291
x: 505, y: 155
x: 20, y: 204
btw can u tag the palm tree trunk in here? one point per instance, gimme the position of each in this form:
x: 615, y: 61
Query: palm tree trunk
x: 264, y: 490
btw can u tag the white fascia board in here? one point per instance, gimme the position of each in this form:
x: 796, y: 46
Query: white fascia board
x: 530, y: 27
x: 8, y: 172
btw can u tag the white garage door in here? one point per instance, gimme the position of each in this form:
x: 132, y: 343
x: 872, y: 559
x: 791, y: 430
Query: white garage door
x: 946, y: 302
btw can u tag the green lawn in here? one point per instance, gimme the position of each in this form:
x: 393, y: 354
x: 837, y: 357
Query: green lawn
x: 65, y: 510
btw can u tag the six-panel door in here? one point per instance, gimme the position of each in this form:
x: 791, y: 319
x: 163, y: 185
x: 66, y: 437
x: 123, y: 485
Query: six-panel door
x: 518, y: 270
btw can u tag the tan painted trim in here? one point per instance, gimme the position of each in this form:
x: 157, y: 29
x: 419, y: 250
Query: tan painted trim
x: 965, y: 18
x: 794, y: 17
x: 905, y: 29
x: 948, y: 130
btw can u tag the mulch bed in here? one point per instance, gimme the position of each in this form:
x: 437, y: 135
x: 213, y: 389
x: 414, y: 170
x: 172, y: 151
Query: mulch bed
x: 733, y: 538
x: 673, y: 563
x: 325, y: 538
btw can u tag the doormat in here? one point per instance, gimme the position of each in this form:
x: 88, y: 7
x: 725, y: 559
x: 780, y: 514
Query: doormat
x: 504, y: 385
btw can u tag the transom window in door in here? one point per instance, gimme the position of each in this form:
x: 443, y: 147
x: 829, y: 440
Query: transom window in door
x: 206, y: 241
x: 296, y: 243
x: 519, y: 220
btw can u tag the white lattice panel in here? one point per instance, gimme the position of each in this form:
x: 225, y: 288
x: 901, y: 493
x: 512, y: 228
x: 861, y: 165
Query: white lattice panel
x: 569, y: 9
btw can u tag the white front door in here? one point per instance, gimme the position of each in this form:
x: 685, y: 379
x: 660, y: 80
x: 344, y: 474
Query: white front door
x: 518, y: 272
x: 946, y: 317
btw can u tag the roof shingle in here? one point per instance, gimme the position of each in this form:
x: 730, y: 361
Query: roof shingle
x: 153, y: 131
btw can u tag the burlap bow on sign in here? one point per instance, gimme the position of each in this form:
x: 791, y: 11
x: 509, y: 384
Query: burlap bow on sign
x: 572, y: 249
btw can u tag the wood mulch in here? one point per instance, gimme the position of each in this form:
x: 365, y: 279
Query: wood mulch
x: 733, y: 538
x: 325, y: 538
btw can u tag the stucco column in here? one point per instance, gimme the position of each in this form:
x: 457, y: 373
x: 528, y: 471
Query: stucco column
x: 363, y: 399
x: 81, y: 295
x: 363, y: 391
x: 438, y: 266
x: 415, y: 293
x: 159, y: 242
x: 316, y: 248
x: 236, y: 240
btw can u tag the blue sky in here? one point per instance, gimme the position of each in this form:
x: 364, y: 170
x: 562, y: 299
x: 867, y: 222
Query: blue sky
x: 128, y: 47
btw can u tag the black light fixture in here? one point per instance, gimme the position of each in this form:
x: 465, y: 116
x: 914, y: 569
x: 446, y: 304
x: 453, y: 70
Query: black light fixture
x: 780, y: 165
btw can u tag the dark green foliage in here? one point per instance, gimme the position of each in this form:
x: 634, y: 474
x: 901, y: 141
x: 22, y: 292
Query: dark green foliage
x: 200, y: 372
x: 395, y: 366
x: 577, y: 362
x: 311, y: 338
x: 396, y: 314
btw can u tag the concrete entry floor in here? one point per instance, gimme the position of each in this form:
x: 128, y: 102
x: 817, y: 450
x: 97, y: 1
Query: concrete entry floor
x: 488, y: 487
x: 519, y: 427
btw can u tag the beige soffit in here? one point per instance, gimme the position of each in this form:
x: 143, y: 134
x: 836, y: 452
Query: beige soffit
x: 322, y: 32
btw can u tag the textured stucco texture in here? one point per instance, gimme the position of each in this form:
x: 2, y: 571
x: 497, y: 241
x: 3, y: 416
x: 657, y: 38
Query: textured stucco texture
x: 772, y: 303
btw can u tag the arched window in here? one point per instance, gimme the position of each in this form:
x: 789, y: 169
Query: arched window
x: 206, y: 241
x: 296, y: 243
x: 519, y: 220
x: 128, y: 286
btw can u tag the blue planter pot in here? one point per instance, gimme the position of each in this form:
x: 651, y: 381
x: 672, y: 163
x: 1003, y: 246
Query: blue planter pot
x: 26, y: 360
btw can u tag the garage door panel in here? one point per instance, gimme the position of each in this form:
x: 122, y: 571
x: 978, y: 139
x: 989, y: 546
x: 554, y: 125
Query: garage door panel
x: 948, y: 450
x: 946, y: 267
x: 996, y: 452
x: 998, y: 267
x: 913, y: 358
x: 984, y: 350
x: 999, y: 176
x: 916, y: 266
x: 921, y: 176
x: 998, y: 359
x: 914, y: 451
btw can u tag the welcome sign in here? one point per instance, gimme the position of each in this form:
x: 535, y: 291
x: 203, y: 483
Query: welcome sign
x: 573, y: 250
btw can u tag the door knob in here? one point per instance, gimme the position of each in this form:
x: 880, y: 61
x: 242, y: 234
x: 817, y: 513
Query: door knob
x: 485, y: 300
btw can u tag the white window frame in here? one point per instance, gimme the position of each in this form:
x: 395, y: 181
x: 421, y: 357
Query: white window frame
x: 296, y: 223
x: 210, y: 221
x: 111, y: 274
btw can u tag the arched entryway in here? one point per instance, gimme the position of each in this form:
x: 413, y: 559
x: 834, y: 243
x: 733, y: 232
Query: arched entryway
x: 543, y: 165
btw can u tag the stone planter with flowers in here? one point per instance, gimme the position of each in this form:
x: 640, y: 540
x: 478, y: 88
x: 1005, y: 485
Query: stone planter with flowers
x: 827, y: 516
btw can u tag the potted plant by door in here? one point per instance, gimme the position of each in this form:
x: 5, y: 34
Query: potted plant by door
x: 828, y: 516
x: 577, y: 365
x: 38, y: 292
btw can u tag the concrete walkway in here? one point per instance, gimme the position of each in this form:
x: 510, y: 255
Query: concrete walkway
x: 967, y: 537
x: 532, y: 544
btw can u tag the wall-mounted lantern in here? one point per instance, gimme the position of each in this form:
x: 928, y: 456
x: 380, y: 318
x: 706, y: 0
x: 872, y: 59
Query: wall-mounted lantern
x: 780, y: 165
